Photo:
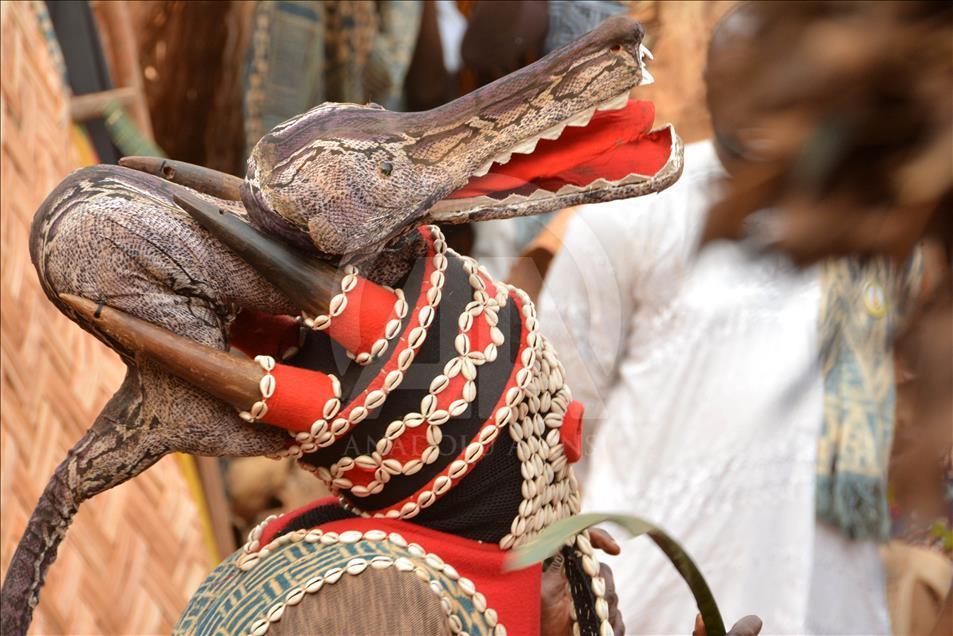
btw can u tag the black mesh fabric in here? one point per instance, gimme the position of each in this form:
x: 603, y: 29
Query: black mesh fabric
x: 483, y: 505
x: 580, y: 587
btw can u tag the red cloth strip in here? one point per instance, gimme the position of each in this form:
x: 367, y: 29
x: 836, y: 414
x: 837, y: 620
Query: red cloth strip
x: 369, y: 308
x: 398, y: 344
x: 299, y: 398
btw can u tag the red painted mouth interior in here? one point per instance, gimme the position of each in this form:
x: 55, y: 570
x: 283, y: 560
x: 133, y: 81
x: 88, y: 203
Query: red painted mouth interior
x: 615, y: 144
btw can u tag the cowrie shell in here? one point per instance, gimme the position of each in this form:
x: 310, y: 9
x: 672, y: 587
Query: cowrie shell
x: 442, y: 484
x: 430, y: 454
x: 413, y: 420
x: 457, y: 407
x: 377, y: 349
x: 397, y: 539
x: 356, y: 566
x: 438, y: 417
x: 404, y: 359
x: 375, y: 399
x: 439, y: 383
x: 266, y: 362
x: 416, y: 337
x: 391, y: 328
x: 457, y: 468
x: 425, y: 316
x: 412, y: 467
x: 428, y: 405
x: 395, y: 429
x: 337, y: 305
x: 473, y: 452
x: 393, y: 380
x: 331, y: 408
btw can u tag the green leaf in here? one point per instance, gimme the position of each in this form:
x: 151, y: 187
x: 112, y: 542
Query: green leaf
x: 550, y: 540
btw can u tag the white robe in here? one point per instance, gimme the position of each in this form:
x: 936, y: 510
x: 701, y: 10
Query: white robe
x: 703, y: 396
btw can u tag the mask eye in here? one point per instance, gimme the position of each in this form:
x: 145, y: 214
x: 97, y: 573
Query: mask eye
x: 386, y: 168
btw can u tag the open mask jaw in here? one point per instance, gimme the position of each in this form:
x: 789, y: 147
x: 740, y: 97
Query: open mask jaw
x: 607, y: 151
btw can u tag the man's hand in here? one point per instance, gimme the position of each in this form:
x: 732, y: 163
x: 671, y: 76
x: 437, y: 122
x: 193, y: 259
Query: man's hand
x: 556, y: 600
x: 747, y: 626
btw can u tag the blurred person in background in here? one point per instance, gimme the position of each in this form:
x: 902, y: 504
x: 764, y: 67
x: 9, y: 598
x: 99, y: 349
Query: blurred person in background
x: 742, y: 402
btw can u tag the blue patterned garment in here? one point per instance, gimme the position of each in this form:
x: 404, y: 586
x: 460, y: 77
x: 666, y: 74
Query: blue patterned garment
x: 233, y: 601
x: 863, y: 302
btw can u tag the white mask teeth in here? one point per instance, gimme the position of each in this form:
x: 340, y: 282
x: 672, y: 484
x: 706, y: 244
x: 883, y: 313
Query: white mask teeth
x: 554, y: 132
x: 527, y: 147
x: 483, y: 170
x: 503, y: 159
x: 583, y: 118
x: 645, y: 52
x: 646, y: 77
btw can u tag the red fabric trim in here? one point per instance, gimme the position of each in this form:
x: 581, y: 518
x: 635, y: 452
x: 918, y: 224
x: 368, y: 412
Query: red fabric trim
x: 514, y: 595
x: 299, y: 398
x: 256, y: 333
x: 369, y: 308
x: 397, y: 345
x: 613, y: 145
x: 571, y: 431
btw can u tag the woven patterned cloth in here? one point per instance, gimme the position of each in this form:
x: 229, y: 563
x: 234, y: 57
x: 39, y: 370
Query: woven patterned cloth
x: 306, y: 53
x: 363, y: 576
x: 862, y: 304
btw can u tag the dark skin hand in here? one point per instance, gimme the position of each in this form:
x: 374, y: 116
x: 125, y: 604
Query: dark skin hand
x: 554, y: 616
x: 556, y: 601
x: 747, y: 626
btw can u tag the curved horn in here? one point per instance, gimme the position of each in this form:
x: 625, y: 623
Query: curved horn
x: 218, y: 184
x: 309, y: 283
x: 230, y: 378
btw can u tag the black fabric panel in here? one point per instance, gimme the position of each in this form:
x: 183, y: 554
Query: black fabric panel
x: 580, y: 587
x: 484, y: 503
x: 492, y: 380
x: 86, y: 67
